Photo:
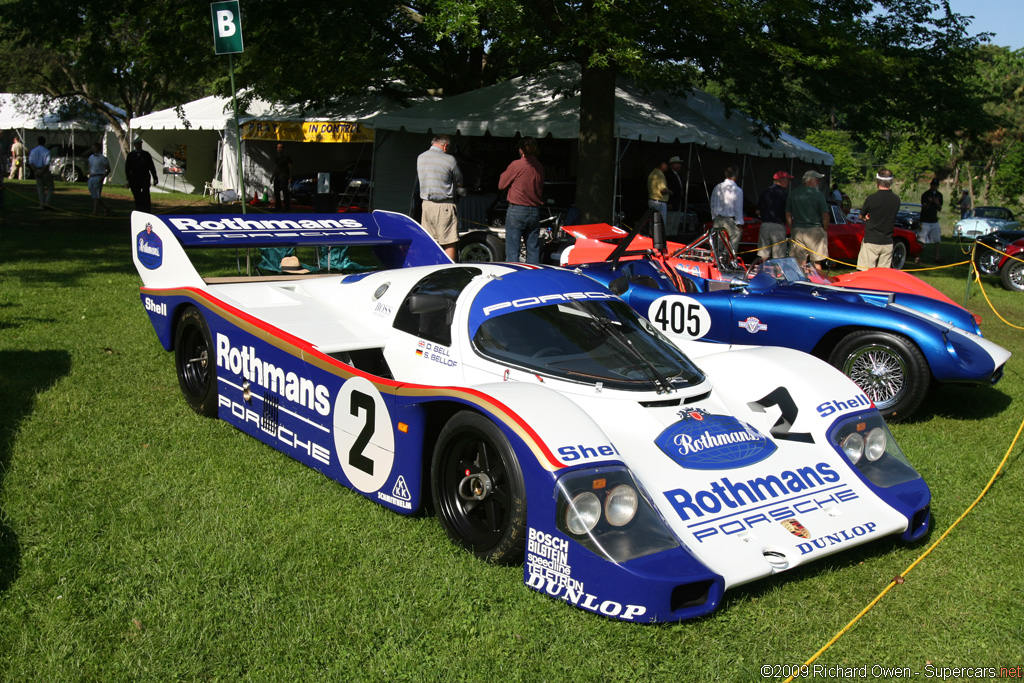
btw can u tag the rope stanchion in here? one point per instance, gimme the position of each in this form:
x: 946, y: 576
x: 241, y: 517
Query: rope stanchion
x: 899, y: 579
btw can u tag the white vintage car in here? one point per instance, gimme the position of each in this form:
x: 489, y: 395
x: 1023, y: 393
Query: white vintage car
x: 545, y: 421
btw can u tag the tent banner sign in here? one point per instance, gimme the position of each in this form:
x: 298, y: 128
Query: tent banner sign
x: 307, y: 131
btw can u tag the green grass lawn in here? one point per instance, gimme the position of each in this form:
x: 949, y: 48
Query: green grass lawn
x: 140, y: 542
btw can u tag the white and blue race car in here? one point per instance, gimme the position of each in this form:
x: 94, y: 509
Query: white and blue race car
x: 544, y: 420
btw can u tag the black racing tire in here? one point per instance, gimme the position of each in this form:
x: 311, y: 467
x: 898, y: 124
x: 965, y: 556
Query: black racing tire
x: 888, y: 367
x: 900, y: 251
x: 70, y: 174
x: 485, y: 510
x: 1012, y: 274
x: 987, y: 261
x: 479, y: 247
x: 195, y: 362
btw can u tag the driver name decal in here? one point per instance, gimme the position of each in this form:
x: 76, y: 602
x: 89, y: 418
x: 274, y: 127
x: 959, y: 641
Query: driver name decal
x: 705, y: 441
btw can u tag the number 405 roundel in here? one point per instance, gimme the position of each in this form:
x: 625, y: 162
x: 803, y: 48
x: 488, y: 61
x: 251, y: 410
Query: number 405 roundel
x: 680, y: 316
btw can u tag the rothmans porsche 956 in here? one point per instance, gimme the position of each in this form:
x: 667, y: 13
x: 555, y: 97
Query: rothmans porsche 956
x: 544, y: 419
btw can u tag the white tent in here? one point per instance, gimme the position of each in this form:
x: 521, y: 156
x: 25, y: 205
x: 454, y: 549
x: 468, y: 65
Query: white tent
x: 34, y: 115
x: 200, y: 133
x: 547, y: 105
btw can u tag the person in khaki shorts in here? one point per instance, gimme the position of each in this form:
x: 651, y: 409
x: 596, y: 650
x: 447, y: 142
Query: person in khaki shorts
x: 440, y: 182
x: 807, y: 218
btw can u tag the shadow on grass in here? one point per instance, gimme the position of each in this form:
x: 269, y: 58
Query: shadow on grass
x: 23, y: 375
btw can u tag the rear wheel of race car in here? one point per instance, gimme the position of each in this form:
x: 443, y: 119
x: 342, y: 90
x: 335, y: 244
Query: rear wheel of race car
x: 1012, y: 274
x: 888, y: 367
x: 899, y: 254
x: 195, y: 363
x: 481, y: 247
x: 478, y: 489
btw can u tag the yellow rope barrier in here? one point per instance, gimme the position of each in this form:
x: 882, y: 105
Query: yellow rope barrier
x: 900, y: 578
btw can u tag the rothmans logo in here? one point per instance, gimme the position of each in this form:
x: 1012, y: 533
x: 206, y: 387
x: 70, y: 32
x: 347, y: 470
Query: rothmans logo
x: 705, y: 441
x: 150, y: 248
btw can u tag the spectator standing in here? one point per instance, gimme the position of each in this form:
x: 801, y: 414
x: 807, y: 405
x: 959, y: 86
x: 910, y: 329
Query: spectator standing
x: 879, y: 214
x: 524, y: 180
x: 835, y: 195
x: 657, y: 190
x: 17, y: 160
x: 807, y: 218
x: 965, y: 204
x: 440, y: 180
x: 727, y: 207
x: 931, y: 231
x: 674, y: 180
x: 139, y: 167
x: 282, y: 178
x: 99, y: 169
x: 39, y: 160
x: 771, y: 240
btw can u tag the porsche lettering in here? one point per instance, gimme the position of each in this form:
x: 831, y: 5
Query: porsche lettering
x: 736, y: 522
x: 529, y: 301
x: 243, y: 361
x: 283, y: 435
x: 724, y: 493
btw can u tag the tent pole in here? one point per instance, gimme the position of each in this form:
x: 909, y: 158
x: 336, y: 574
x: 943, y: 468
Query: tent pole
x: 238, y: 134
x: 686, y: 190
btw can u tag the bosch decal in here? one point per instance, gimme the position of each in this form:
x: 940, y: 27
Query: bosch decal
x: 831, y: 407
x: 150, y: 248
x: 244, y: 362
x: 704, y: 441
x: 753, y: 325
x: 837, y: 538
x: 548, y: 570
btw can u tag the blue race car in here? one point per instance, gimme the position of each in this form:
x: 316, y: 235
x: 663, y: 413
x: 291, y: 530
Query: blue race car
x: 541, y: 418
x: 893, y: 345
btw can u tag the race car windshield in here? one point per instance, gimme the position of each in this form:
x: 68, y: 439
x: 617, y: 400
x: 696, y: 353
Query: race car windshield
x: 589, y: 342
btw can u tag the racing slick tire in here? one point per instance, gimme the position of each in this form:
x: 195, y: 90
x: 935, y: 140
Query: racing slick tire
x: 1012, y: 274
x: 888, y: 367
x: 194, y: 362
x: 899, y: 254
x: 477, y: 489
x: 480, y: 247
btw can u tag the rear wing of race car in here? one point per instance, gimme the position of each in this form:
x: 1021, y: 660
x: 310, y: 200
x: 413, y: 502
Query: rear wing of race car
x: 159, y: 242
x: 596, y: 231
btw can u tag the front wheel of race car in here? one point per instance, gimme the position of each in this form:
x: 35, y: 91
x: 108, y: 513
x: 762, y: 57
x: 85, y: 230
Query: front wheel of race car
x: 888, y: 367
x: 194, y: 361
x: 478, y: 491
x: 1012, y: 274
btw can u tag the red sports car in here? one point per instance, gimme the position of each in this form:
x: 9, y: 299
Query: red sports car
x: 844, y: 239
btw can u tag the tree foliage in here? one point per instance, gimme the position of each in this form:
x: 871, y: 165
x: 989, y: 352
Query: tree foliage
x: 131, y: 55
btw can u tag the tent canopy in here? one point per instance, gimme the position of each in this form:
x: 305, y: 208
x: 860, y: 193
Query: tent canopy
x: 40, y: 112
x: 548, y: 104
x: 208, y: 113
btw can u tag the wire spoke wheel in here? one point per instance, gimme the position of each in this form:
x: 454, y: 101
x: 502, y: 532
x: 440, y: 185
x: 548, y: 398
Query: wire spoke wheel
x: 889, y: 369
x: 880, y: 372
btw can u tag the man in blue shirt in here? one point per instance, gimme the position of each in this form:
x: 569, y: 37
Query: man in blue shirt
x: 771, y: 240
x: 39, y: 160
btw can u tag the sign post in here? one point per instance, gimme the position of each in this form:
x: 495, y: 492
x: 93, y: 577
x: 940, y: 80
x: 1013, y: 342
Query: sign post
x: 227, y: 40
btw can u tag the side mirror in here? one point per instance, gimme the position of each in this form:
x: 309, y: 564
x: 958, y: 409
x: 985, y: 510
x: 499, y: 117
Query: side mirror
x: 619, y: 285
x: 427, y: 303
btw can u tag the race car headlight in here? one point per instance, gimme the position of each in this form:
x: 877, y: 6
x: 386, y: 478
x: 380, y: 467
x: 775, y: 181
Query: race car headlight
x: 853, y: 447
x: 871, y: 449
x: 583, y: 513
x: 604, y: 510
x: 620, y: 505
x: 875, y: 444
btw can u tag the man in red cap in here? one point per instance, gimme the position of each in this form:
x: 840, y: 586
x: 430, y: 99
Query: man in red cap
x: 771, y: 206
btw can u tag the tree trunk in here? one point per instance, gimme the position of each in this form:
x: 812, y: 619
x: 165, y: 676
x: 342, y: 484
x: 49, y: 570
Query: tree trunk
x: 595, y: 186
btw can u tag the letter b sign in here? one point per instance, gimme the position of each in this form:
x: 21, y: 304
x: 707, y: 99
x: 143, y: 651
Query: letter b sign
x: 227, y: 27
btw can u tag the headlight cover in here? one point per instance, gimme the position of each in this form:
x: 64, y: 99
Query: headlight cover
x: 870, y: 447
x: 604, y: 510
